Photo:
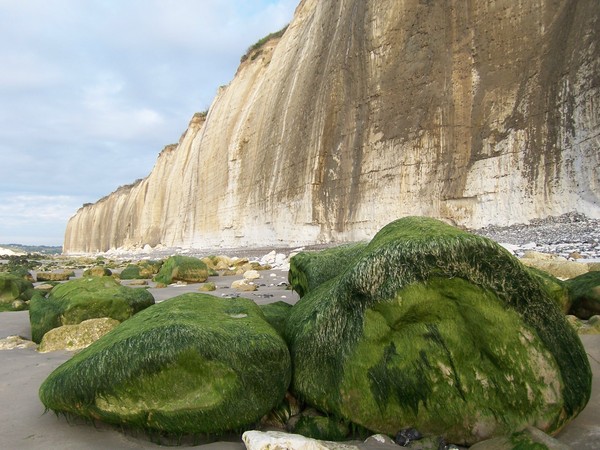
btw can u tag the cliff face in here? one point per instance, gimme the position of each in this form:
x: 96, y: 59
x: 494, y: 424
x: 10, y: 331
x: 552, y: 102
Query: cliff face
x: 480, y: 112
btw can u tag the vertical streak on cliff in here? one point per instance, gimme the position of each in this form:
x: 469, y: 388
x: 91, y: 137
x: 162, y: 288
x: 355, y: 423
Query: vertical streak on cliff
x: 345, y: 120
x: 474, y: 111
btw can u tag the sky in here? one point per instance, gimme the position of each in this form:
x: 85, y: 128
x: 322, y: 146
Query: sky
x: 92, y: 90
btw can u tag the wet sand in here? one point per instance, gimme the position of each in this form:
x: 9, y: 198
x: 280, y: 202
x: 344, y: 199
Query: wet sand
x: 24, y: 425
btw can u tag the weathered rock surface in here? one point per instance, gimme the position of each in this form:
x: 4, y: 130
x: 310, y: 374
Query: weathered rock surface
x: 531, y: 438
x: 479, y: 113
x: 76, y: 337
x: 434, y: 328
x: 584, y: 292
x: 53, y: 276
x: 554, y: 265
x: 13, y: 342
x: 267, y: 440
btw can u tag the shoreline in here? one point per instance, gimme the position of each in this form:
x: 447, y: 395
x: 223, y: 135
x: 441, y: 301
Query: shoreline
x: 24, y: 424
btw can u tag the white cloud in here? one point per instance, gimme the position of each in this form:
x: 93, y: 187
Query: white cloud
x: 91, y: 91
x: 35, y: 219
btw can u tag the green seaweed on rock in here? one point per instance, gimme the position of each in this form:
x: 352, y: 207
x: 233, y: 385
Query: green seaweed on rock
x: 439, y: 329
x: 194, y: 364
x: 77, y: 300
x: 310, y: 269
x: 182, y: 268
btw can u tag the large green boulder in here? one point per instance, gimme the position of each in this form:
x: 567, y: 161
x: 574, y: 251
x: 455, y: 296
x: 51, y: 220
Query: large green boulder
x: 310, y: 269
x: 584, y: 293
x: 13, y: 287
x: 182, y: 268
x: 193, y: 364
x: 276, y: 314
x: 441, y: 330
x: 77, y: 300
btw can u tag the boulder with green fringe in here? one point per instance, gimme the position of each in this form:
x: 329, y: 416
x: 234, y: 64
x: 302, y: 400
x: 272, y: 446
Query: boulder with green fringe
x: 441, y: 330
x: 555, y: 288
x: 276, y: 314
x: 182, y: 268
x: 310, y: 269
x: 12, y: 288
x: 141, y: 270
x: 584, y: 293
x: 194, y: 364
x: 77, y: 300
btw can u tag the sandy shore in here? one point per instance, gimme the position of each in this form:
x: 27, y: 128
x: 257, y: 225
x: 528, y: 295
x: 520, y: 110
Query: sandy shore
x: 24, y: 425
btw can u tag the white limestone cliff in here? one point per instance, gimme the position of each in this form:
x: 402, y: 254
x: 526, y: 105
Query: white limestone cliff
x: 363, y: 112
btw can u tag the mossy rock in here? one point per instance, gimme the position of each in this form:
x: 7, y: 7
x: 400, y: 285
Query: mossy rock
x: 310, y: 269
x: 182, y: 268
x: 208, y: 287
x: 555, y: 288
x: 54, y: 276
x: 97, y: 271
x: 584, y: 293
x: 85, y: 298
x: 194, y: 364
x: 22, y: 272
x: 131, y: 272
x: 441, y: 330
x: 276, y: 314
x: 141, y: 271
x: 321, y: 427
x: 14, y: 287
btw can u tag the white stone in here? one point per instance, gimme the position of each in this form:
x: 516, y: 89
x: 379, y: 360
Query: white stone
x: 244, y: 285
x: 276, y: 440
x: 16, y: 342
x: 251, y: 275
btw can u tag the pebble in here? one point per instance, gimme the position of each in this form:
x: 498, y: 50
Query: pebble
x: 563, y: 235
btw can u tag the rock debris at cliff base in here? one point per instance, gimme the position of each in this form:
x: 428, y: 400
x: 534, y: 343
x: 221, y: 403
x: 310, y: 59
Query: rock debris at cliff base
x: 565, y: 235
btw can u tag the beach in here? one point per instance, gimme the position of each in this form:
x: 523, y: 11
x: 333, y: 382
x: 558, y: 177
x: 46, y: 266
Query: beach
x: 25, y: 424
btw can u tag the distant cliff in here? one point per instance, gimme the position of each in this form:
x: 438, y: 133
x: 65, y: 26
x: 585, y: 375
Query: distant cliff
x: 482, y: 112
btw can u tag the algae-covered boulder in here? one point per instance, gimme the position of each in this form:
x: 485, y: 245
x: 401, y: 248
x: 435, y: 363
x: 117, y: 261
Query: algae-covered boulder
x: 276, y: 314
x: 555, y: 288
x: 14, y: 287
x: 142, y: 270
x: 310, y: 269
x: 584, y: 293
x: 192, y: 364
x: 441, y: 330
x: 97, y: 271
x: 85, y: 298
x: 131, y: 272
x: 182, y: 268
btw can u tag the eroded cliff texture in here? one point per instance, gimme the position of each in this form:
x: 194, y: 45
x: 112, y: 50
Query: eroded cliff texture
x: 479, y: 112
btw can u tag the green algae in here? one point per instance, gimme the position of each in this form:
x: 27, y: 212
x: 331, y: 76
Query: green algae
x: 329, y: 327
x: 192, y: 364
x: 310, y: 269
x: 77, y: 300
x: 182, y: 268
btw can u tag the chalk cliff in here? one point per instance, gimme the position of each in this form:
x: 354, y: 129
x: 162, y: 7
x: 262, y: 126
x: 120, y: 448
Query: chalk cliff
x: 482, y: 112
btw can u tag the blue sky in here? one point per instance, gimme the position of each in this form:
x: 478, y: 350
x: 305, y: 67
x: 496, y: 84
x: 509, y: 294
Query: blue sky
x: 92, y: 90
